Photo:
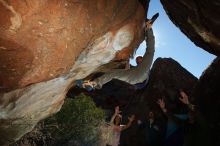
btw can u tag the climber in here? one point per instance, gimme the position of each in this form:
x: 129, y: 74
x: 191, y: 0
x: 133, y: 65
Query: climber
x: 134, y: 75
x: 116, y: 126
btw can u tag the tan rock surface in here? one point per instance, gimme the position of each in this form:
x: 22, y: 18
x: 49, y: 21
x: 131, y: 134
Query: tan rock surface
x: 46, y: 45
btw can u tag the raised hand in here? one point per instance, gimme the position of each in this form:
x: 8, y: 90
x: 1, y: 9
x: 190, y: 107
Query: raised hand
x: 117, y: 111
x: 162, y: 104
x: 131, y: 118
x: 148, y: 24
x: 184, y: 98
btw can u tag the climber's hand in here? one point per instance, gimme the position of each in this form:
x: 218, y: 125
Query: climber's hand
x: 131, y: 118
x: 117, y: 111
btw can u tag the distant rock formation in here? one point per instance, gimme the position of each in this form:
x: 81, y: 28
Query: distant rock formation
x: 166, y: 78
x: 198, y: 20
x: 208, y: 96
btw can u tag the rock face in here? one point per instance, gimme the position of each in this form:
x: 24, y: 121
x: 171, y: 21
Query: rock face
x: 167, y: 77
x: 198, y: 20
x: 42, y: 40
x: 207, y: 94
x: 46, y: 45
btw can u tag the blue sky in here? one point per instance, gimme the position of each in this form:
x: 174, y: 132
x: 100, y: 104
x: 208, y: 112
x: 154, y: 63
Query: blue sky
x: 171, y: 42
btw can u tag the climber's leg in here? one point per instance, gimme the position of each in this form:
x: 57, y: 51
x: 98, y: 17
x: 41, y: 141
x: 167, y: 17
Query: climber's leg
x: 139, y: 86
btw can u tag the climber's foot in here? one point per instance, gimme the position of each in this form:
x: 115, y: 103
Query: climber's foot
x: 150, y: 22
x: 154, y: 17
x: 88, y: 85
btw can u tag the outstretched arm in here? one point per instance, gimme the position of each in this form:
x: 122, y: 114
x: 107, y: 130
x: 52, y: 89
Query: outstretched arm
x: 185, y: 100
x: 168, y: 114
x: 130, y: 120
x: 117, y: 111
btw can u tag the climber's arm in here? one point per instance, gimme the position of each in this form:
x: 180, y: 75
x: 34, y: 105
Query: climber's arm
x: 144, y: 66
x: 130, y: 120
x: 117, y: 111
x: 134, y: 75
x: 141, y: 72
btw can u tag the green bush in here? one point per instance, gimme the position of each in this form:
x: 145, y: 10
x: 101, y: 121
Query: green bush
x: 79, y: 120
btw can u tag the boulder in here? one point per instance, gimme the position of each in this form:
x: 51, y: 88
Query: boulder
x: 198, y: 20
x: 46, y: 45
x: 207, y: 96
